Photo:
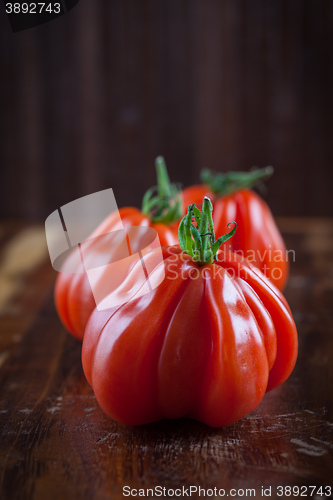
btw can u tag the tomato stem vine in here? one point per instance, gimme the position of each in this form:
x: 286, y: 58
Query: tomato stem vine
x: 197, y: 236
x: 162, y: 203
x: 223, y: 184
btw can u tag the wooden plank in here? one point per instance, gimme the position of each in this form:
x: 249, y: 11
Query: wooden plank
x: 25, y: 274
x: 63, y: 443
x: 57, y: 443
x: 21, y: 255
x: 311, y: 225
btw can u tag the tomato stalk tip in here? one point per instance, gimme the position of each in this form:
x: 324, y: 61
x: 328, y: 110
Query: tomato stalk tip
x: 162, y: 203
x: 197, y: 236
x: 223, y: 184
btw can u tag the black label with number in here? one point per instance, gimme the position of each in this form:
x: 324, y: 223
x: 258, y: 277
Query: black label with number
x: 23, y: 15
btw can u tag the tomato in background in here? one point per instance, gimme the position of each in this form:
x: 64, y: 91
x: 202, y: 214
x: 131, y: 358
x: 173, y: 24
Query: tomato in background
x: 258, y: 237
x: 161, y: 210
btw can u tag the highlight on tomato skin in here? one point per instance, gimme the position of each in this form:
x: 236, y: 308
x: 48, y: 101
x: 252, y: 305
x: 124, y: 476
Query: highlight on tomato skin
x: 207, y: 343
x: 258, y: 237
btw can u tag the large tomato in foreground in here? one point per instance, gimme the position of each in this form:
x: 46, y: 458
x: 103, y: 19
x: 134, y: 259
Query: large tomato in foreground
x: 207, y: 343
x: 258, y: 237
x: 73, y: 296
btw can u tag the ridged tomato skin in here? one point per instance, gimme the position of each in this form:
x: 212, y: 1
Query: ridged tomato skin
x: 73, y: 296
x: 207, y: 344
x: 257, y: 235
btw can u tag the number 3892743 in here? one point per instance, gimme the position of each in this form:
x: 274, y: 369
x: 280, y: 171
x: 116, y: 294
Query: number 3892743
x: 304, y: 491
x: 33, y: 8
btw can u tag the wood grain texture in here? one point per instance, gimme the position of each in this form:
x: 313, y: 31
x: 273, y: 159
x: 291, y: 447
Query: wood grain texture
x: 19, y: 257
x: 57, y: 443
x: 91, y: 98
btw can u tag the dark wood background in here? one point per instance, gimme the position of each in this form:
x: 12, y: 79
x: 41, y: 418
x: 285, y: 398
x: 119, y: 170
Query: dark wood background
x: 88, y: 100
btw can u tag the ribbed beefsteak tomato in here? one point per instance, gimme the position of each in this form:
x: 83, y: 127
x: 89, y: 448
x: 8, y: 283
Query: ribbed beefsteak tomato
x: 207, y: 343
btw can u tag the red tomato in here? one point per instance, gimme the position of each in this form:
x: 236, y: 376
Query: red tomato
x: 73, y: 296
x: 257, y: 237
x: 161, y: 210
x: 207, y: 343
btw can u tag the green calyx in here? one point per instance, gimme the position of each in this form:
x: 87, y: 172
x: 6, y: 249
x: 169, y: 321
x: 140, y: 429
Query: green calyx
x: 224, y: 184
x: 197, y: 236
x: 162, y: 203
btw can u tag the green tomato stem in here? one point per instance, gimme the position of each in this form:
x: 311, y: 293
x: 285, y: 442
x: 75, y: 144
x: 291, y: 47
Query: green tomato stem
x: 162, y: 203
x: 224, y: 184
x: 198, y: 240
x: 163, y: 181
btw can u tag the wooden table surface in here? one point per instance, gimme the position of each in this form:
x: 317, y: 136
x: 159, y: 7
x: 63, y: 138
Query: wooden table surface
x: 57, y: 444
